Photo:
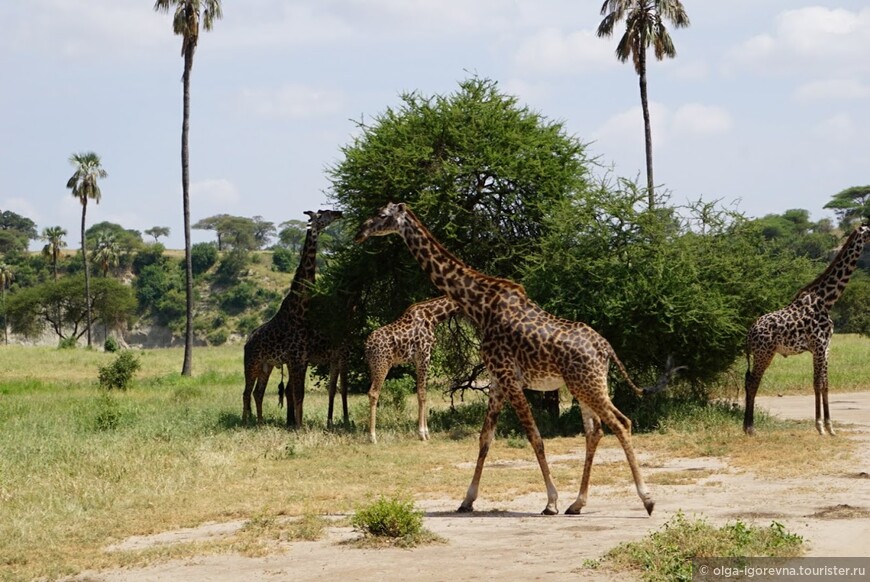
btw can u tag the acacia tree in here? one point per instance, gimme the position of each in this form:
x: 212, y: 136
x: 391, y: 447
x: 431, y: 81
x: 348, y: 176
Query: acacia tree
x: 84, y: 186
x: 850, y: 205
x: 188, y: 14
x: 157, y: 232
x: 644, y: 26
x: 54, y: 243
x: 62, y: 307
x: 477, y: 167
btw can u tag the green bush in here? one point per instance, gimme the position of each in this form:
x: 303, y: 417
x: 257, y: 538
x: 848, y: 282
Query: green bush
x: 120, y: 372
x: 67, y: 343
x: 218, y: 337
x: 284, y: 260
x: 247, y: 323
x: 389, y: 518
x: 233, y: 265
x: 202, y: 257
x: 111, y: 345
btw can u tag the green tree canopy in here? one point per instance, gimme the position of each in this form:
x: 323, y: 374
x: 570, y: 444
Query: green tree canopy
x: 16, y: 232
x: 850, y: 205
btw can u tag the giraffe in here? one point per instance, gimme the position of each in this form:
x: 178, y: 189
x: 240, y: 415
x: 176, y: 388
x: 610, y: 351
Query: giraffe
x: 408, y: 339
x: 804, y: 325
x: 283, y: 339
x: 522, y: 345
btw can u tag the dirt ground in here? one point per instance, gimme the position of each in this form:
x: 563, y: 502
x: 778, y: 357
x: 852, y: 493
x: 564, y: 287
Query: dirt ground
x: 510, y: 541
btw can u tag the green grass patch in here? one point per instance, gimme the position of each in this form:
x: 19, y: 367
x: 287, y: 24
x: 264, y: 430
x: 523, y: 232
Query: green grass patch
x: 391, y: 523
x: 666, y: 554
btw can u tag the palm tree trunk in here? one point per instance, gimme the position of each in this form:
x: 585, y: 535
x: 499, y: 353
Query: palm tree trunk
x: 87, y: 270
x: 185, y: 192
x: 54, y: 262
x: 644, y: 102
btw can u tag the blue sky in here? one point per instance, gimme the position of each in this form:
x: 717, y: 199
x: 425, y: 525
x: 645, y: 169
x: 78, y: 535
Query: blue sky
x: 765, y: 107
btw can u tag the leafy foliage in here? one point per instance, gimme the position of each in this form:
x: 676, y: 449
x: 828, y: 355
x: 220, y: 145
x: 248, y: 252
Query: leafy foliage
x: 667, y: 554
x: 119, y: 373
x: 658, y: 285
x: 203, y: 257
x: 390, y: 518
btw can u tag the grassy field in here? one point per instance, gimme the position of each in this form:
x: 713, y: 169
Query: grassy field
x: 81, y: 468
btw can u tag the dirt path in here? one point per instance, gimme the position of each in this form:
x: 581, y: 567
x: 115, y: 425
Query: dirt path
x: 831, y: 512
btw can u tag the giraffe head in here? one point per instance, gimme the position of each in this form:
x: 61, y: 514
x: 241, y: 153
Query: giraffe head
x: 385, y: 222
x: 322, y: 218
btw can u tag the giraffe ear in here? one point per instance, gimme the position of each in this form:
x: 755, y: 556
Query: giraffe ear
x: 402, y: 206
x: 309, y: 213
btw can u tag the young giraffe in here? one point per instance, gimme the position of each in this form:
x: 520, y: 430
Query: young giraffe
x: 408, y: 339
x: 284, y: 338
x: 803, y: 325
x: 522, y: 346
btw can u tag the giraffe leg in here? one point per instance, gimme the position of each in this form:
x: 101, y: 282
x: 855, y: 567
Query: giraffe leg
x: 378, y: 373
x: 260, y: 390
x: 761, y: 361
x: 592, y: 430
x: 524, y: 412
x: 496, y: 401
x: 250, y: 380
x: 333, y: 382
x: 296, y: 386
x: 621, y: 426
x: 820, y: 387
x: 422, y: 371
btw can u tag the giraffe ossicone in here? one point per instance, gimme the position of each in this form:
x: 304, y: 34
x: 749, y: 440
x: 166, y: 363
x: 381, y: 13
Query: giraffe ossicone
x: 522, y: 346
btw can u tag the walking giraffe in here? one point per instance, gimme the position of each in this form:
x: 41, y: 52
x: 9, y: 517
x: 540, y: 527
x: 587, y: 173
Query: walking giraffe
x: 408, y: 339
x: 804, y: 325
x: 522, y: 346
x: 284, y: 339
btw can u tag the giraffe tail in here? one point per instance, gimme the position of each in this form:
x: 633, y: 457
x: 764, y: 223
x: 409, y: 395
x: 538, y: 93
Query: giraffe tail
x: 281, y: 390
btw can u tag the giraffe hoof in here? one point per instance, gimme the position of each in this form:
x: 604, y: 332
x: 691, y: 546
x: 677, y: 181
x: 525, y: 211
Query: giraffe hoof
x: 649, y: 504
x: 465, y: 509
x: 573, y: 510
x: 550, y: 511
x: 749, y: 430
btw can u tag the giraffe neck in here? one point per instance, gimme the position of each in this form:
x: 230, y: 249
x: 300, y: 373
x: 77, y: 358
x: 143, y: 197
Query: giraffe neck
x: 469, y: 289
x: 295, y: 304
x: 829, y: 286
x: 437, y: 310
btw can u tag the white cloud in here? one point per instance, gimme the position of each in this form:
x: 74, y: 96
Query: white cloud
x: 809, y: 38
x: 291, y: 102
x: 833, y: 89
x: 553, y: 51
x: 699, y: 119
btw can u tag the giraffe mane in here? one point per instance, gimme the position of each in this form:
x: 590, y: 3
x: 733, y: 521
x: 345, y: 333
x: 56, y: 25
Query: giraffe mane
x: 500, y: 280
x: 824, y: 274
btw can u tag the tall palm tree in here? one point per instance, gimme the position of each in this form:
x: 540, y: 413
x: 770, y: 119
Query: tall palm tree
x: 185, y: 23
x: 84, y: 186
x: 644, y: 26
x: 6, y: 277
x: 106, y: 252
x: 53, y: 237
